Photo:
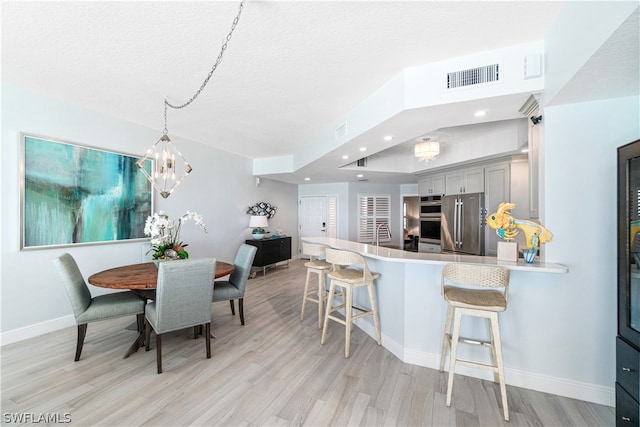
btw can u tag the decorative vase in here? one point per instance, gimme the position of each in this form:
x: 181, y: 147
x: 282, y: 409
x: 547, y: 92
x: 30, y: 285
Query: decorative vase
x: 529, y: 255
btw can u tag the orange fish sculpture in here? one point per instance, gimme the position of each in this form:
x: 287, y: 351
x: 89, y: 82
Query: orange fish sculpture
x: 507, y: 227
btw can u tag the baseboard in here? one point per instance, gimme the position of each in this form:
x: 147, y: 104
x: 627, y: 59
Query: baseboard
x: 539, y: 382
x: 37, y: 329
x: 532, y: 381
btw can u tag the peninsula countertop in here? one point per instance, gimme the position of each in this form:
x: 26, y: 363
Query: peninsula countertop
x: 397, y: 255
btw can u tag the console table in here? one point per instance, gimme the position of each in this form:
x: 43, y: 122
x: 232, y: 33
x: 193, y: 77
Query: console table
x: 271, y: 251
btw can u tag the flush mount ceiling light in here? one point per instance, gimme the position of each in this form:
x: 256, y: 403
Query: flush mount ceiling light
x: 170, y: 166
x: 427, y: 150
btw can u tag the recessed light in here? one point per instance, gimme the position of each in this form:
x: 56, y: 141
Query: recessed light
x: 359, y: 175
x: 363, y: 148
x: 307, y: 179
x: 481, y: 113
x: 345, y: 157
x: 524, y: 150
x: 388, y: 137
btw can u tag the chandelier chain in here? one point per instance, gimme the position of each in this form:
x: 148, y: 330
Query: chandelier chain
x: 213, y: 69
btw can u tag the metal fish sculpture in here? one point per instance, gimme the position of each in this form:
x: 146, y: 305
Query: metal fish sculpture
x: 507, y: 227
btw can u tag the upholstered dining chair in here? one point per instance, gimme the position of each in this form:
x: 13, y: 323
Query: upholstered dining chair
x: 232, y: 289
x: 87, y: 309
x: 183, y: 296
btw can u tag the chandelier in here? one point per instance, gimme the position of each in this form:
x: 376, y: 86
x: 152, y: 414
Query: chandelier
x: 170, y: 167
x: 427, y: 150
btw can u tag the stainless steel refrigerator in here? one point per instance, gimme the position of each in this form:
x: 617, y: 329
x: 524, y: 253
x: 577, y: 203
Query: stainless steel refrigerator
x: 463, y: 219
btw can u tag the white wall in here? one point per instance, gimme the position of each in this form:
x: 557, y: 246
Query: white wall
x: 221, y: 187
x: 580, y: 209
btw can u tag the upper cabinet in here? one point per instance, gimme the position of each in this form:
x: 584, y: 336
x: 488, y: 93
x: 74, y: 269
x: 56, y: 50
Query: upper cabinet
x: 464, y: 181
x: 431, y: 185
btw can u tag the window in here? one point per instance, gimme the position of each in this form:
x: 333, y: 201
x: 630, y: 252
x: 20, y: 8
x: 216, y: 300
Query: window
x: 373, y: 210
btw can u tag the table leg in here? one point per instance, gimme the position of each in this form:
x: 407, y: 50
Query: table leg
x: 139, y: 342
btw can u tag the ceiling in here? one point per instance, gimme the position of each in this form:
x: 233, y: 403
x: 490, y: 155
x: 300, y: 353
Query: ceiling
x: 291, y: 71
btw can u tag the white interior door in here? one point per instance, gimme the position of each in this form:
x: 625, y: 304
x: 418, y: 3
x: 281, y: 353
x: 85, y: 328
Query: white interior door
x: 317, y: 216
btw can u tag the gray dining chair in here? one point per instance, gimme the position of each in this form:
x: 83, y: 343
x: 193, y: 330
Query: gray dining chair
x: 183, y: 296
x: 232, y: 289
x: 87, y: 309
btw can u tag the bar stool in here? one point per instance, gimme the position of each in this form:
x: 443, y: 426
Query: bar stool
x: 348, y: 279
x: 321, y: 268
x: 470, y: 300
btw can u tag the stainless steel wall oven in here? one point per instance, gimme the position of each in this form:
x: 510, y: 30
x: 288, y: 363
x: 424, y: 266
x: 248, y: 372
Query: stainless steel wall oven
x: 430, y: 219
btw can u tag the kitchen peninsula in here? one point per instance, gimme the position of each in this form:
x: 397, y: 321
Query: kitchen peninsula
x: 412, y: 311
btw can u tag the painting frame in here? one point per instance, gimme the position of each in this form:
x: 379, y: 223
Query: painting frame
x: 75, y: 195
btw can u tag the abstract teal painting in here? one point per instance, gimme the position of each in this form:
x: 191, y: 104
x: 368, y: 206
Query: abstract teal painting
x: 73, y: 194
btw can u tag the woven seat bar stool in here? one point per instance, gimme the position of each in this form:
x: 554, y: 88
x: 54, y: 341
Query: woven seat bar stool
x: 321, y: 268
x: 473, y: 298
x: 348, y: 279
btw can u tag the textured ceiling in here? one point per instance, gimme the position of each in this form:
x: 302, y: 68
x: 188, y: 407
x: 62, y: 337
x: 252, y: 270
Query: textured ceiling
x: 290, y: 72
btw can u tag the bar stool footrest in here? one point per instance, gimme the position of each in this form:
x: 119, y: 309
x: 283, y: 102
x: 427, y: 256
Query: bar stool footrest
x: 478, y: 365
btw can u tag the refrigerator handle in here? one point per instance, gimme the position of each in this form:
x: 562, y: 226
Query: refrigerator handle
x: 461, y: 222
x: 455, y: 224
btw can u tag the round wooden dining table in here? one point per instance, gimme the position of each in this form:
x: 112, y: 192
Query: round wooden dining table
x: 141, y: 276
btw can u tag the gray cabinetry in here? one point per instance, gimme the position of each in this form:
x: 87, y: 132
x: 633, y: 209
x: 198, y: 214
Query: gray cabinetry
x: 431, y: 185
x: 497, y: 190
x: 465, y: 181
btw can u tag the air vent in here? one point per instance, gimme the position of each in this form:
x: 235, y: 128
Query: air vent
x: 473, y: 76
x: 362, y: 163
x: 341, y: 130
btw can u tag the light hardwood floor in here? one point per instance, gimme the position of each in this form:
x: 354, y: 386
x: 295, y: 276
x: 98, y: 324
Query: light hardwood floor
x: 272, y: 371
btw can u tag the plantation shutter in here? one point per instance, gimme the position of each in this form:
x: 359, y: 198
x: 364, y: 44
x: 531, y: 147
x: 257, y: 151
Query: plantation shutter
x: 373, y: 210
x: 332, y: 214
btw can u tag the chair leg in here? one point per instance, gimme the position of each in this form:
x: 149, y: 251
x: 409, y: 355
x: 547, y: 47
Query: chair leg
x: 233, y: 308
x: 495, y: 337
x: 82, y: 332
x: 332, y: 289
x: 454, y: 350
x: 207, y: 334
x: 374, y: 312
x: 159, y: 352
x: 147, y: 335
x: 140, y: 321
x: 304, y: 295
x: 348, y: 311
x: 322, y: 292
x: 241, y: 310
x: 446, y: 338
x: 494, y: 361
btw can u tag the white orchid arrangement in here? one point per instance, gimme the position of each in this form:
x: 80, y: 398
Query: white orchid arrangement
x: 165, y: 234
